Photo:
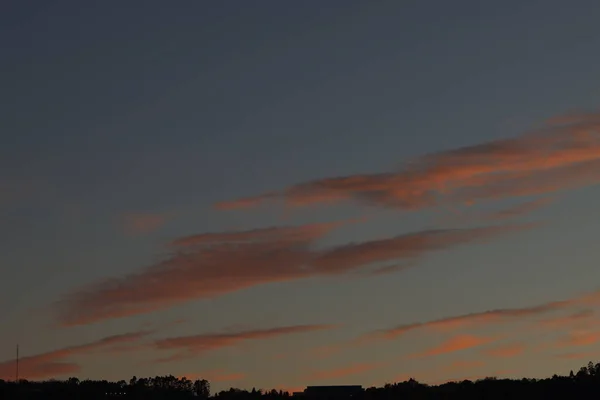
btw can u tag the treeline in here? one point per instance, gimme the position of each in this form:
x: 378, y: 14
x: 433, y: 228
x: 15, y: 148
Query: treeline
x: 159, y: 387
x: 584, y: 384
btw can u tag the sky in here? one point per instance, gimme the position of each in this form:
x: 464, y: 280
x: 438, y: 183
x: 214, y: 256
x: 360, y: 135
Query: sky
x: 278, y: 194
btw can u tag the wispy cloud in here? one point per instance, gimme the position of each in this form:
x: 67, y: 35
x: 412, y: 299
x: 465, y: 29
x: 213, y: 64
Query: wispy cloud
x: 456, y: 343
x: 143, y: 223
x: 469, y: 320
x: 200, y: 266
x: 213, y: 264
x: 196, y: 344
x: 505, y: 351
x: 570, y: 320
x: 406, y: 246
x: 55, y: 363
x: 564, y: 155
x: 579, y: 338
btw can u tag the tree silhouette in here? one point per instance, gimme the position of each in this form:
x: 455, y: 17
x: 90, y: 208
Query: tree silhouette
x: 584, y: 384
x: 202, y: 388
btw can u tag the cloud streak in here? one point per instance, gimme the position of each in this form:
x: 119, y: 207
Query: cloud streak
x: 457, y: 343
x: 505, y: 351
x: 200, y: 266
x: 576, y: 318
x: 55, y: 363
x: 485, y: 318
x: 471, y: 319
x: 213, y: 264
x: 580, y: 338
x: 561, y: 156
x: 196, y: 344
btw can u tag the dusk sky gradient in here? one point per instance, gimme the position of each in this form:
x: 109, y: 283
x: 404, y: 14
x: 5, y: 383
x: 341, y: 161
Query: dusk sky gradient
x: 280, y: 194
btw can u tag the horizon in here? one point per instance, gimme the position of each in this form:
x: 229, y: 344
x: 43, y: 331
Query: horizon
x: 348, y: 192
x: 583, y: 375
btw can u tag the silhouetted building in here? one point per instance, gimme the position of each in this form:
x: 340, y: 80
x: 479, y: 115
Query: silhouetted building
x: 332, y: 392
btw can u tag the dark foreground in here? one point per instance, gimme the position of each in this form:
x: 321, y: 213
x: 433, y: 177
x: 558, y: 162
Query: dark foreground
x: 584, y: 384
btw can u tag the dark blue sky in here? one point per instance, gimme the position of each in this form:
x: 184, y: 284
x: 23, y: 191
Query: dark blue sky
x: 139, y: 116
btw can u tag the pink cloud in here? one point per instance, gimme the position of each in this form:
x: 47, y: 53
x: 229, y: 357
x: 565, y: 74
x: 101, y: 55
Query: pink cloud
x: 201, y: 266
x: 582, y: 316
x: 472, y: 319
x: 456, y: 343
x: 505, y: 351
x: 562, y: 156
x: 195, y: 344
x: 55, y: 363
x: 405, y: 246
x: 213, y: 264
x: 581, y: 338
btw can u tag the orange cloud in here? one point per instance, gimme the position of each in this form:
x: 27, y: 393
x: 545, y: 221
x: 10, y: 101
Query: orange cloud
x: 143, y: 223
x: 561, y: 156
x: 212, y: 264
x: 584, y: 338
x: 457, y: 343
x: 52, y: 363
x: 343, y: 372
x: 505, y: 351
x: 404, y: 246
x: 460, y: 321
x: 568, y: 320
x: 193, y: 345
x: 486, y: 317
x: 201, y: 266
